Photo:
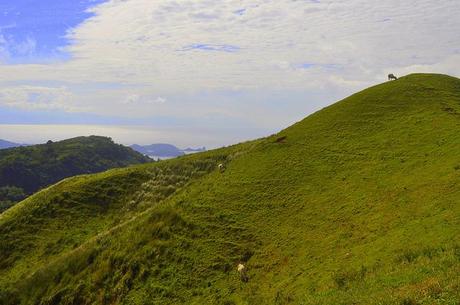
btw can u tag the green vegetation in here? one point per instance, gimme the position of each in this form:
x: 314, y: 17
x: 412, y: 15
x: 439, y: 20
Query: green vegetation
x: 9, y: 195
x: 24, y: 170
x: 357, y: 204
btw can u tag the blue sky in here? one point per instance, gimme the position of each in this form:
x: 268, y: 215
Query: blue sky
x: 202, y: 72
x: 35, y: 31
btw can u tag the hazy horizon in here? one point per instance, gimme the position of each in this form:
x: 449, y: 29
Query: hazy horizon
x: 126, y: 135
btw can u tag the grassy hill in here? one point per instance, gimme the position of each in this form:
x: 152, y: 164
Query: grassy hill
x: 357, y: 204
x: 24, y: 170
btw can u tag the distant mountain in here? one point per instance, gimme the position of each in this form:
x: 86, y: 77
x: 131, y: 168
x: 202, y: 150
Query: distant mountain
x: 7, y: 144
x: 164, y: 150
x: 24, y: 170
x: 194, y: 150
x: 159, y: 150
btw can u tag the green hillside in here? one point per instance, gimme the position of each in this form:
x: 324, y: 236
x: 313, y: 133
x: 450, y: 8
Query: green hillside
x: 24, y: 170
x: 358, y: 203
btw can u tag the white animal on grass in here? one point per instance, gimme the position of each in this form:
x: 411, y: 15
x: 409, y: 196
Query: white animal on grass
x: 242, y: 271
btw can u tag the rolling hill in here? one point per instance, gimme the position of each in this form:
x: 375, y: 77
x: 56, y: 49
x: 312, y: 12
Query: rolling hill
x: 24, y: 170
x: 358, y: 203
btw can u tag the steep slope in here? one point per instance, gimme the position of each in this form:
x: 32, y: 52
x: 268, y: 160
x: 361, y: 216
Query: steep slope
x: 357, y: 204
x: 24, y: 170
x: 64, y: 216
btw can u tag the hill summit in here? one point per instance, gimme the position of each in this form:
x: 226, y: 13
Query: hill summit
x: 356, y: 204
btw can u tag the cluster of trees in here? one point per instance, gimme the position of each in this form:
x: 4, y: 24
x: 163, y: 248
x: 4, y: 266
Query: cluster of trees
x: 9, y: 195
x: 25, y: 170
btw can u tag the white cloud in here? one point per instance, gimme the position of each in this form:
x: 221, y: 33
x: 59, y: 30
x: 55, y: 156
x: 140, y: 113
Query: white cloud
x: 158, y: 100
x: 26, y: 47
x: 363, y: 37
x: 449, y: 65
x: 131, y: 99
x: 8, y: 46
x: 135, y: 99
x: 142, y: 41
x: 38, y: 98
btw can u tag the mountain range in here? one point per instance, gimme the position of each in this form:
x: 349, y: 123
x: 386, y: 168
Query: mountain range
x: 164, y: 150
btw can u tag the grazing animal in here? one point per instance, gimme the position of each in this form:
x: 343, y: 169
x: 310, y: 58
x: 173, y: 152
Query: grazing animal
x: 281, y: 139
x: 243, y: 273
x: 221, y: 167
x: 392, y: 77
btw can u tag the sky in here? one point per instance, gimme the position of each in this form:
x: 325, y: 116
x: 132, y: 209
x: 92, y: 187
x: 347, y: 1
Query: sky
x: 204, y: 73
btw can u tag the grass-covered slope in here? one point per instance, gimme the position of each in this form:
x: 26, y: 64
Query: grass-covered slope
x: 24, y: 170
x: 66, y: 215
x: 357, y: 204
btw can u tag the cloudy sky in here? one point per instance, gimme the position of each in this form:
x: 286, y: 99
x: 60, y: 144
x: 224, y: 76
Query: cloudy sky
x: 204, y: 72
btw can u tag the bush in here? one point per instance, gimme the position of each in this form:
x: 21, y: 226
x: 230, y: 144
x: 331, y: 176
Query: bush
x: 9, y: 195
